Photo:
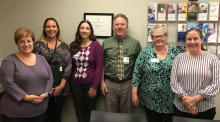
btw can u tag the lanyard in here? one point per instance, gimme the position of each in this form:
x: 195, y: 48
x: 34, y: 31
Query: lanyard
x: 53, y: 52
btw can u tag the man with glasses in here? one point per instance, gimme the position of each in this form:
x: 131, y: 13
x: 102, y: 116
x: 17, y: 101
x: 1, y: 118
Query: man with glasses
x: 120, y: 53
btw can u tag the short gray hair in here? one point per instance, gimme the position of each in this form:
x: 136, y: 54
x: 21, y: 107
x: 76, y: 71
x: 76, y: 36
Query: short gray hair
x: 158, y: 28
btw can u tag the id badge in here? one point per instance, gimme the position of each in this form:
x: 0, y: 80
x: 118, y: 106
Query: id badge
x: 76, y: 55
x: 155, y: 60
x: 61, y: 68
x: 126, y: 60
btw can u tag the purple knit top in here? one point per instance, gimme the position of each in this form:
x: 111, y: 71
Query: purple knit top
x: 18, y: 80
x: 87, y: 65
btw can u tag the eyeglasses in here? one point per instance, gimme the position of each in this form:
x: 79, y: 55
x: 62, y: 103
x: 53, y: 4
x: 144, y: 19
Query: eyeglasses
x: 161, y: 37
x: 118, y: 25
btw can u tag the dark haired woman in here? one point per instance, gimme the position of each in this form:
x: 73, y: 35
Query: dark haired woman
x: 57, y: 53
x: 195, y: 79
x: 86, y: 71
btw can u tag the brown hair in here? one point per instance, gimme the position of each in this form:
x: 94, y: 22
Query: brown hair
x: 122, y: 16
x: 78, y: 39
x: 43, y: 37
x: 23, y: 32
x: 200, y: 35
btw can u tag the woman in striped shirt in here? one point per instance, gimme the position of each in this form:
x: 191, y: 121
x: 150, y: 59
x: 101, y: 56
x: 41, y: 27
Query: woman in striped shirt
x: 195, y: 79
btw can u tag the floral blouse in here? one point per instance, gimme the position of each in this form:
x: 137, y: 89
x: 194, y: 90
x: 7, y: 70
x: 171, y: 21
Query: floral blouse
x: 152, y: 77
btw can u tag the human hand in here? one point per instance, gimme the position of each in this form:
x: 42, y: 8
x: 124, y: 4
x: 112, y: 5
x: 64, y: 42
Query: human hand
x: 92, y: 92
x: 39, y: 99
x: 135, y: 100
x: 56, y: 90
x: 184, y: 97
x: 193, y: 110
x: 32, y: 99
x: 103, y: 88
x: 188, y: 101
x: 43, y: 96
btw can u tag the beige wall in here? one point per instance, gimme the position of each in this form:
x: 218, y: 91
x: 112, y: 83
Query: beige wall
x: 32, y: 13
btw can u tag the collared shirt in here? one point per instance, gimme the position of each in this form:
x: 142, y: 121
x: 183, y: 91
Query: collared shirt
x: 153, y: 79
x: 131, y: 49
x: 195, y: 75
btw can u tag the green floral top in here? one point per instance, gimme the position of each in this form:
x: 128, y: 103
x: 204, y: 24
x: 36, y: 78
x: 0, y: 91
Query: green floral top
x: 153, y: 79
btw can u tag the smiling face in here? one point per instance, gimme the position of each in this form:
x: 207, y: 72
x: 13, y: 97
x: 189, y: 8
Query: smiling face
x: 159, y: 38
x: 152, y: 11
x: 84, y: 31
x: 120, y: 27
x: 51, y: 29
x: 183, y: 26
x: 193, y: 41
x: 25, y: 44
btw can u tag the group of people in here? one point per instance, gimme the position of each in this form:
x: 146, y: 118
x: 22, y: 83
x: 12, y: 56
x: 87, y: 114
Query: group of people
x: 168, y: 83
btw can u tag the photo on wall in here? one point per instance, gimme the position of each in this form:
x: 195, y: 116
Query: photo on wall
x: 192, y: 10
x: 149, y: 30
x: 203, y: 27
x: 182, y: 8
x: 152, y: 12
x: 181, y: 32
x: 161, y: 8
x: 211, y: 49
x: 212, y: 32
x: 203, y: 11
x: 181, y: 48
x: 182, y: 11
x: 203, y: 7
x: 213, y: 11
x: 172, y: 11
x: 162, y: 11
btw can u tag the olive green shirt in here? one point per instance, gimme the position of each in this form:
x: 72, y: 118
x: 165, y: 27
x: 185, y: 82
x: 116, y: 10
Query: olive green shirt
x: 131, y: 49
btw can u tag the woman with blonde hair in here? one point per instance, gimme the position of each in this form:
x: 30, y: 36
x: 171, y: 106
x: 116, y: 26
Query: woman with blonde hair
x: 151, y: 77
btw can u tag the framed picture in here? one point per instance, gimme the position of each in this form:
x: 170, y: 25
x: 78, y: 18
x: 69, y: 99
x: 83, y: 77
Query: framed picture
x: 102, y: 23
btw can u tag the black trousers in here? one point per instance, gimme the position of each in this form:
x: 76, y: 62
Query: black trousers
x: 209, y: 114
x: 39, y: 118
x: 153, y: 116
x: 54, y: 110
x: 82, y: 102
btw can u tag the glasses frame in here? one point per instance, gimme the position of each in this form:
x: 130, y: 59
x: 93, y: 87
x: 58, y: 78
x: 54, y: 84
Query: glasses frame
x: 118, y: 25
x: 158, y: 37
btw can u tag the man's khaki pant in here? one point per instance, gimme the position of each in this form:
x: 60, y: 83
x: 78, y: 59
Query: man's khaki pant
x: 118, y: 97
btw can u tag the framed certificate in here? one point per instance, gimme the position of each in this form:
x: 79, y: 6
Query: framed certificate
x: 102, y: 23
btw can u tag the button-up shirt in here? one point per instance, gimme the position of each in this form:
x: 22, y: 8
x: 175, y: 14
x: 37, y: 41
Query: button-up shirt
x: 131, y: 49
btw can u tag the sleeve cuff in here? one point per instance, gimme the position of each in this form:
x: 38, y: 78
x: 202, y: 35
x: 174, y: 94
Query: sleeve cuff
x: 95, y: 86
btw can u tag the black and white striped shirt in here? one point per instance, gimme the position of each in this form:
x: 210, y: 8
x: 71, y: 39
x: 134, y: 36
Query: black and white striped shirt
x: 195, y: 75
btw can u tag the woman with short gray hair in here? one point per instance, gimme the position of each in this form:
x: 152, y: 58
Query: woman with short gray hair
x: 151, y: 77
